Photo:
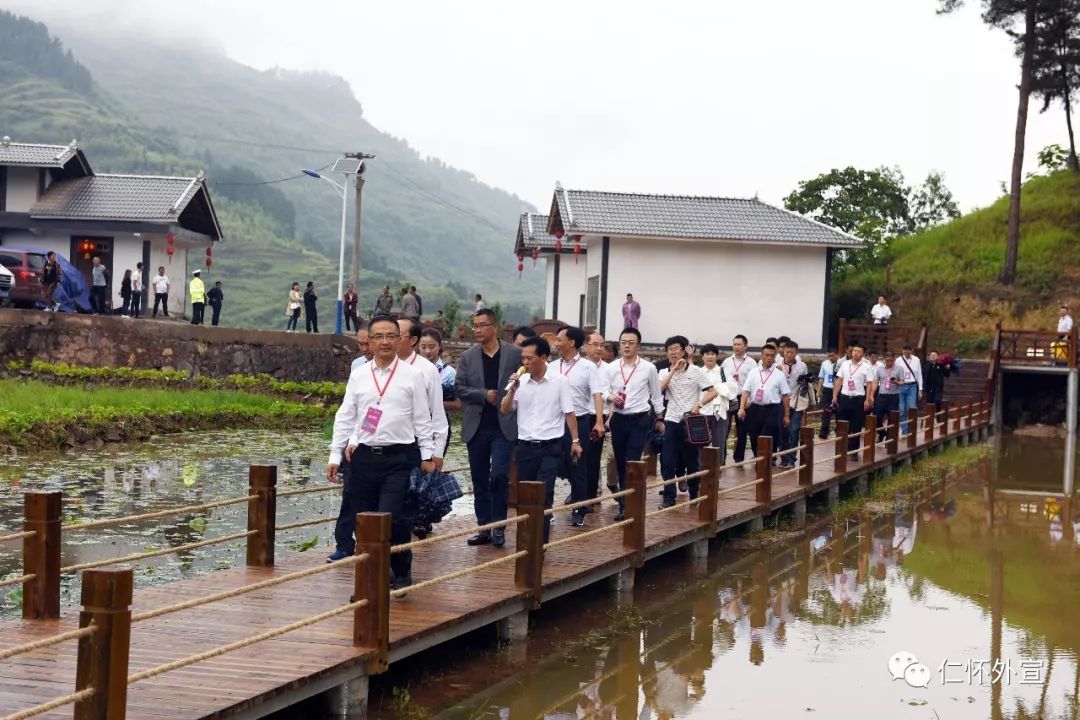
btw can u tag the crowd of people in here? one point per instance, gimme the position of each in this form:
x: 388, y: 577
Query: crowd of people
x: 559, y: 404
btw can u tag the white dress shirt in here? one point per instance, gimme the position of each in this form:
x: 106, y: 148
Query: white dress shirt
x: 853, y: 378
x: 641, y: 383
x: 827, y: 373
x: 912, y: 373
x: 880, y: 313
x: 738, y: 369
x: 542, y: 406
x: 585, y: 382
x: 440, y: 426
x: 406, y: 418
x: 359, y: 362
x: 771, y: 382
x: 1065, y: 323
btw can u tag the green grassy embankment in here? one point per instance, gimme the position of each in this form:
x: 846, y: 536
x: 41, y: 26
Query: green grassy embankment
x: 947, y: 276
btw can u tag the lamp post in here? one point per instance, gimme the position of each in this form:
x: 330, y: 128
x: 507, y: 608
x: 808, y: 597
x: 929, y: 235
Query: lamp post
x: 341, y: 256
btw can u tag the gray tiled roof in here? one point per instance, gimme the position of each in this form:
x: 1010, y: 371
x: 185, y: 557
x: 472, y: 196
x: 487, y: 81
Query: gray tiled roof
x: 532, y: 233
x: 680, y: 216
x: 118, y: 197
x: 30, y: 155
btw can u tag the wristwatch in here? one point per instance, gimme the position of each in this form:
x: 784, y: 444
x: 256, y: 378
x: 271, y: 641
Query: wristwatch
x: 575, y: 441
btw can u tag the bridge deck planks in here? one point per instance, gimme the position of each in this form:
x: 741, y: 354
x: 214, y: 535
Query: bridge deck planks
x: 230, y: 683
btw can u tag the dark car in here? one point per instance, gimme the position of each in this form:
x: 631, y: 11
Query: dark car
x: 26, y: 266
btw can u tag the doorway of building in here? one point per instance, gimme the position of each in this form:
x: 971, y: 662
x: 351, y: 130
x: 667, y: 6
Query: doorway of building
x: 83, y: 251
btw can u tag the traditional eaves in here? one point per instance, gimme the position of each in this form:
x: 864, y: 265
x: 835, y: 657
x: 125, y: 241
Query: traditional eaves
x: 532, y: 233
x: 578, y: 212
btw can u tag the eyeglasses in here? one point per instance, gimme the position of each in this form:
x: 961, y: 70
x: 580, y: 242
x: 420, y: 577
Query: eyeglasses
x: 628, y: 342
x: 481, y: 326
x: 387, y: 336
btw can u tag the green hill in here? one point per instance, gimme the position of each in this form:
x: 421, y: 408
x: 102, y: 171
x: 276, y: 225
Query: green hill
x: 947, y: 276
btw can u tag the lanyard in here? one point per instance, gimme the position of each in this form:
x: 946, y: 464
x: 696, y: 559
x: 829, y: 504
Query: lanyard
x: 412, y: 360
x: 382, y: 390
x: 764, y: 377
x: 569, y: 368
x: 739, y: 366
x: 622, y: 371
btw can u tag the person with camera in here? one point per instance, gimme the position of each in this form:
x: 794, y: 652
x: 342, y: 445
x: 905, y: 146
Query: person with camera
x: 856, y: 379
x: 826, y: 380
x: 587, y: 395
x: 688, y: 388
x: 798, y: 379
x: 766, y: 399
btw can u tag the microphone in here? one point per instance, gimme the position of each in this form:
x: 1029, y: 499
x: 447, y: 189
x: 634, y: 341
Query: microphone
x: 521, y: 371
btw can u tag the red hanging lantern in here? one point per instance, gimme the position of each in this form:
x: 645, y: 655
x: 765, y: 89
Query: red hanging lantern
x: 535, y: 255
x: 577, y: 248
x: 170, y: 239
x: 169, y: 250
x: 521, y: 266
x: 558, y: 245
x: 559, y: 234
x: 209, y: 262
x: 208, y: 252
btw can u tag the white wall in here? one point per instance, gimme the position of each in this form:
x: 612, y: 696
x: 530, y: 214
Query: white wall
x: 59, y: 242
x: 127, y: 251
x: 709, y: 291
x: 571, y: 288
x: 22, y: 186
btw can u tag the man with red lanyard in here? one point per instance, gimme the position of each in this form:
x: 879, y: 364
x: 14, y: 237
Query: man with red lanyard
x: 587, y: 395
x: 856, y: 382
x: 737, y: 367
x: 406, y: 350
x: 634, y: 392
x: 911, y: 387
x: 793, y: 369
x: 594, y: 353
x: 765, y: 394
x: 384, y: 428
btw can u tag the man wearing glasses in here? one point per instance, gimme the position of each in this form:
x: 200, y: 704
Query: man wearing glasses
x: 489, y: 436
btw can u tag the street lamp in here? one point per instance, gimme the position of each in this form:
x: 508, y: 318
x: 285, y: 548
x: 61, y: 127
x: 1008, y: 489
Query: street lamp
x: 341, y: 256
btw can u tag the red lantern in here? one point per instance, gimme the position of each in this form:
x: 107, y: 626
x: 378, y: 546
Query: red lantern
x: 535, y: 255
x: 559, y: 234
x: 558, y: 245
x: 209, y: 262
x: 169, y: 250
x: 208, y: 252
x: 521, y: 266
x: 170, y: 239
x: 577, y: 248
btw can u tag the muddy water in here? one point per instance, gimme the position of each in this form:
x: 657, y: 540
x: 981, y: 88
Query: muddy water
x: 961, y: 605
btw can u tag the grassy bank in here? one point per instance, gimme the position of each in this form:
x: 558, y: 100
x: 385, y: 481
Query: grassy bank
x: 37, y: 415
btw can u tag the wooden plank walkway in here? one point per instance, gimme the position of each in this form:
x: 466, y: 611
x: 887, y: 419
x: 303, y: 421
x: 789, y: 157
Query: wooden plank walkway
x: 276, y: 673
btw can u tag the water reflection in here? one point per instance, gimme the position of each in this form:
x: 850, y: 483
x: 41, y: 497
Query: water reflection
x: 974, y: 584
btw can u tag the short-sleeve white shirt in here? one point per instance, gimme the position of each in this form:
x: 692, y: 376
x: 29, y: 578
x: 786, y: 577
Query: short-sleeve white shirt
x: 584, y: 379
x: 542, y: 406
x: 771, y: 382
x: 738, y: 369
x: 853, y: 379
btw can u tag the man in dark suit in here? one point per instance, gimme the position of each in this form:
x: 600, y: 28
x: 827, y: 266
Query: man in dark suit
x: 482, y: 374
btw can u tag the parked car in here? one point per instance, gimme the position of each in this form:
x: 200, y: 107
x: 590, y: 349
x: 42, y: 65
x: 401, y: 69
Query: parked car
x: 7, y: 284
x: 26, y: 266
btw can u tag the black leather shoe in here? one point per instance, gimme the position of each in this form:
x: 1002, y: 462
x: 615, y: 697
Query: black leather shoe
x: 480, y: 538
x: 588, y: 509
x: 620, y: 516
x: 399, y: 583
x: 577, y: 518
x: 498, y: 538
x: 667, y: 504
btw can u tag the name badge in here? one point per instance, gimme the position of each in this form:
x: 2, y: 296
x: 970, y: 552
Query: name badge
x: 371, y: 419
x: 736, y: 377
x: 851, y: 385
x: 622, y: 395
x: 832, y: 378
x: 759, y: 396
x: 888, y: 384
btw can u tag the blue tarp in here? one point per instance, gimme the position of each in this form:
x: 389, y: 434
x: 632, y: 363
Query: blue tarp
x: 73, y: 295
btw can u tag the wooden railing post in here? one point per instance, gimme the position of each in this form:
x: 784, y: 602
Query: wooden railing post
x: 968, y: 405
x: 512, y: 490
x: 893, y: 433
x: 262, y: 514
x: 764, y: 449
x: 529, y: 570
x: 371, y: 582
x: 913, y: 428
x: 102, y: 662
x: 840, y: 461
x: 41, y: 555
x: 954, y: 417
x: 651, y: 461
x: 806, y: 455
x: 710, y: 485
x: 928, y: 431
x: 870, y: 440
x: 634, y: 533
x: 945, y: 405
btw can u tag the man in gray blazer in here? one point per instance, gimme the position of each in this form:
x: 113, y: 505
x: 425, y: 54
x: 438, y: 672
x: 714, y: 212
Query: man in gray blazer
x: 482, y: 375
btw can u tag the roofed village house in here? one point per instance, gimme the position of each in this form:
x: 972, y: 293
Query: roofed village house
x: 704, y: 267
x: 50, y: 198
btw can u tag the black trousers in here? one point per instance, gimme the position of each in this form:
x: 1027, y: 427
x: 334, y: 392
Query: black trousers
x: 378, y: 483
x: 539, y: 462
x: 98, y: 297
x: 216, y: 307
x: 852, y: 408
x: 883, y: 404
x: 826, y: 418
x: 578, y: 472
x: 740, y: 435
x: 933, y: 396
x: 197, y: 313
x: 352, y: 322
x: 136, y: 303
x: 762, y: 420
x: 594, y: 460
x: 628, y: 436
x: 161, y: 299
x: 311, y: 320
x: 679, y: 458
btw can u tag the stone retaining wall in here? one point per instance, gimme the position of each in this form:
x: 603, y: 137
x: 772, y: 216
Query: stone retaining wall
x: 113, y: 341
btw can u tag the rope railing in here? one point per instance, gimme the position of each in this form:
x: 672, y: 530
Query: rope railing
x: 47, y: 642
x: 568, y: 507
x: 457, y: 533
x: 672, y: 481
x: 744, y: 463
x: 678, y: 506
x: 157, y: 553
x: 740, y: 486
x: 17, y: 580
x: 312, y: 489
x: 458, y: 573
x: 18, y: 535
x: 782, y: 453
x: 795, y: 469
x: 59, y: 702
x: 305, y: 523
x: 78, y: 527
x: 236, y: 592
x: 586, y: 534
x: 239, y: 644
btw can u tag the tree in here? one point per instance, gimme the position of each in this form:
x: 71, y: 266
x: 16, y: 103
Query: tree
x: 1008, y: 15
x: 931, y: 203
x: 1056, y: 71
x: 870, y: 204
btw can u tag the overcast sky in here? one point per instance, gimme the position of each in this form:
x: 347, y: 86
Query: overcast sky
x: 722, y: 97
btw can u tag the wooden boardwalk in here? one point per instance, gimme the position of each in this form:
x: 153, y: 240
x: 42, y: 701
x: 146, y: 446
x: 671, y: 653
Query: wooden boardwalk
x: 276, y: 673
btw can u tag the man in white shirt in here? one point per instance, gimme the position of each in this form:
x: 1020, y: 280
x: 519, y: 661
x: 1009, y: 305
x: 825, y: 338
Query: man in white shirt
x: 363, y: 344
x: 889, y: 378
x: 855, y: 397
x: 881, y: 312
x: 587, y: 394
x: 634, y: 391
x: 737, y: 367
x: 410, y: 336
x: 594, y: 353
x: 793, y: 369
x: 688, y: 388
x: 384, y: 428
x: 765, y: 395
x: 479, y: 303
x: 1065, y: 321
x: 160, y: 283
x: 717, y: 409
x: 136, y: 290
x: 545, y: 411
x: 826, y: 378
x: 911, y: 387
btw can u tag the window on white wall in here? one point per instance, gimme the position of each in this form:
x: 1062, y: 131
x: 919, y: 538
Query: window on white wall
x: 592, y: 301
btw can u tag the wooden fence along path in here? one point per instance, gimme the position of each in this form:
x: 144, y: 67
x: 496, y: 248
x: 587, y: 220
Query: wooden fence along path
x: 251, y: 640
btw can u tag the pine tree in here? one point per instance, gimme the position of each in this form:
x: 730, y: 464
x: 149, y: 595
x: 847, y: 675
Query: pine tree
x: 1056, y: 72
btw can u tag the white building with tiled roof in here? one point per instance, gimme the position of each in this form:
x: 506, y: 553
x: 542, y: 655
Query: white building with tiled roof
x: 704, y: 267
x: 51, y: 199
